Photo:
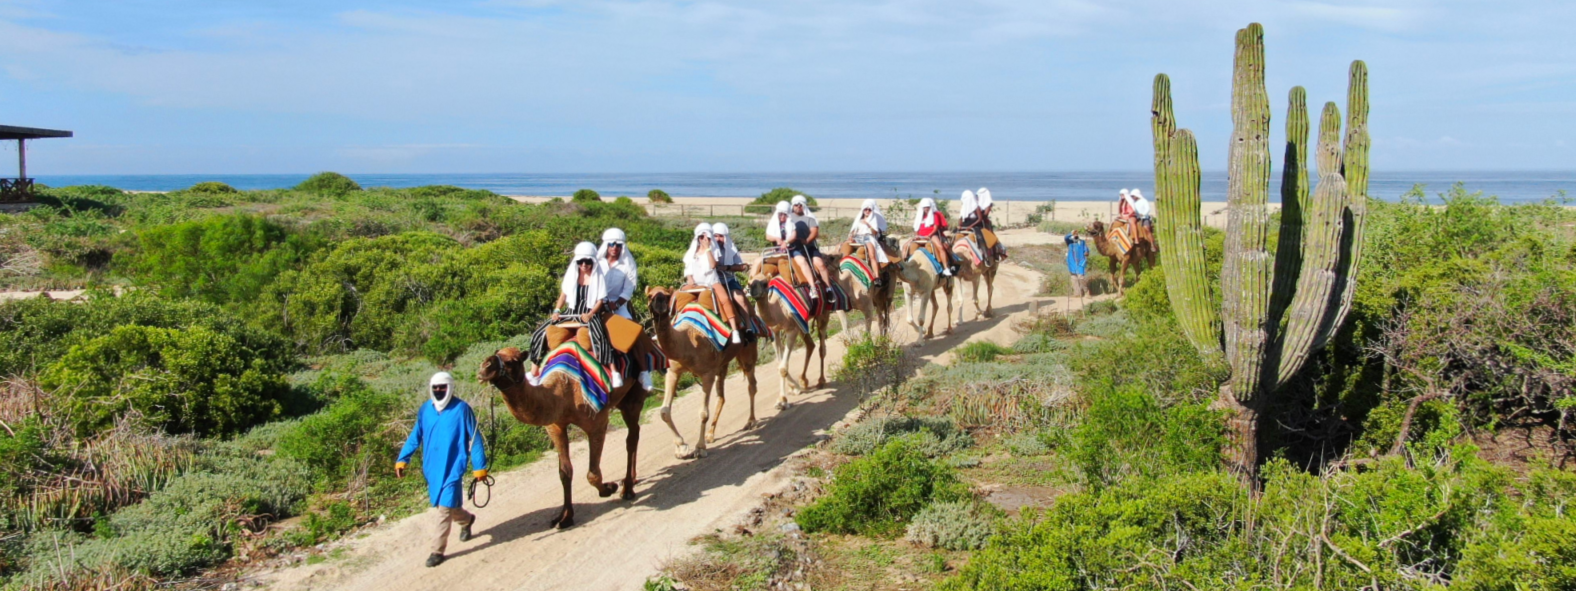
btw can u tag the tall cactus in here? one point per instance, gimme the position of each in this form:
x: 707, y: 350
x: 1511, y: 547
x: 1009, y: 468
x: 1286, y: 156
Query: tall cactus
x: 1308, y: 283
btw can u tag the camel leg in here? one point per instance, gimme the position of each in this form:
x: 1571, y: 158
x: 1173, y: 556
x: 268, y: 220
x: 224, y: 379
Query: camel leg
x: 820, y: 330
x: 908, y: 306
x: 681, y: 449
x: 631, y: 411
x: 706, y: 383
x: 596, y: 436
x: 747, y: 367
x: 722, y: 399
x: 785, y: 346
x: 842, y: 320
x: 948, y: 289
x: 978, y: 313
x: 809, y: 354
x: 566, y: 473
x: 990, y: 295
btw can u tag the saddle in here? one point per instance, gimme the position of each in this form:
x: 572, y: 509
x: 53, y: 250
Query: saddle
x: 1121, y: 235
x: 622, y: 332
x: 780, y: 265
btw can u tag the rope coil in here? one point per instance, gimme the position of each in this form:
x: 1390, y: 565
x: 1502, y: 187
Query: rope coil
x: 487, y: 480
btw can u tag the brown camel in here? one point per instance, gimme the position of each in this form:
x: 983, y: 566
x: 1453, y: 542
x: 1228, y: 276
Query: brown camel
x: 920, y: 279
x: 972, y: 274
x: 776, y: 314
x: 556, y: 405
x: 1143, y: 251
x: 876, y: 304
x: 690, y: 352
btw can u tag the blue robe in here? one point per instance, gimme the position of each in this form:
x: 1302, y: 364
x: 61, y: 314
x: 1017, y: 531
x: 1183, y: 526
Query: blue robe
x: 1077, y: 256
x: 448, y: 440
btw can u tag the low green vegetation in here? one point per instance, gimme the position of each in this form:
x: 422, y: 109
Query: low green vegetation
x: 585, y: 195
x: 878, y: 494
x: 769, y: 199
x: 659, y: 196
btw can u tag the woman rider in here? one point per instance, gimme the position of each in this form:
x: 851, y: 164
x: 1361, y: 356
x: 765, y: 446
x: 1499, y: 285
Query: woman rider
x: 867, y: 232
x: 700, y: 268
x: 581, y: 299
x: 803, y: 230
x: 777, y: 226
x: 620, y: 277
x: 931, y: 225
x: 973, y: 220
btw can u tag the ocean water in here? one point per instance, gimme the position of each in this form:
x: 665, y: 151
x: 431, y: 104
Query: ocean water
x: 1510, y: 187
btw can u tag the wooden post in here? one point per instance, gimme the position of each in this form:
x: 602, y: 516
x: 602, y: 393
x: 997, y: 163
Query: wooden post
x: 21, y: 160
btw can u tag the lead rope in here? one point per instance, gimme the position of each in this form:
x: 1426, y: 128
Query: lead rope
x: 487, y: 480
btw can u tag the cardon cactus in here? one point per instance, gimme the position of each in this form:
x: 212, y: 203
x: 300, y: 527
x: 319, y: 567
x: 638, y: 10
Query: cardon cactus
x: 1310, y: 280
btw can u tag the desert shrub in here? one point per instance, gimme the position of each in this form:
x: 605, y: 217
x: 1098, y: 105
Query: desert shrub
x: 51, y: 479
x: 193, y: 380
x: 346, y: 433
x: 980, y: 351
x: 1003, y: 396
x: 214, y: 187
x: 871, y: 362
x: 219, y: 259
x: 1154, y: 357
x: 584, y: 195
x: 954, y: 525
x: 1026, y: 444
x: 769, y: 199
x: 316, y: 526
x: 659, y: 196
x: 1036, y: 218
x: 328, y: 183
x: 1125, y: 432
x: 877, y: 494
x: 1100, y: 307
x: 1107, y: 326
x: 749, y: 563
x: 936, y: 437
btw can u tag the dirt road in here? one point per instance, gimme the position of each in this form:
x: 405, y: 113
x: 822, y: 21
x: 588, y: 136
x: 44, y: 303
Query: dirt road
x: 616, y: 544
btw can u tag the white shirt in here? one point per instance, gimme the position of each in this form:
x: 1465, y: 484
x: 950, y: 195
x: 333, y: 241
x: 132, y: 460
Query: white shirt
x: 1142, y: 207
x: 702, y: 268
x: 863, y: 229
x: 618, y: 286
x: 775, y: 230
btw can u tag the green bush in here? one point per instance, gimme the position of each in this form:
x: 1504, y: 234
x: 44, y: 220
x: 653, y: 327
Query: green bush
x: 351, y: 431
x: 214, y: 187
x: 193, y: 380
x: 584, y: 195
x: 872, y: 362
x: 328, y: 183
x: 220, y: 259
x: 934, y: 437
x: 879, y: 493
x: 1126, y: 433
x: 326, y: 524
x: 769, y: 199
x: 980, y: 351
x: 954, y: 525
x: 659, y: 196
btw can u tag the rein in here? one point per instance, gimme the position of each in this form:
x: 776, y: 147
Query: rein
x: 507, y: 374
x: 487, y: 480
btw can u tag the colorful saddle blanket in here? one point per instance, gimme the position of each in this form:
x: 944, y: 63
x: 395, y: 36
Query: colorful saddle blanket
x: 575, y: 363
x: 966, y: 247
x: 1121, y: 235
x: 857, y: 267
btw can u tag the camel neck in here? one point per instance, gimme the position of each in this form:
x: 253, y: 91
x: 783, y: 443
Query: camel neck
x: 528, y: 402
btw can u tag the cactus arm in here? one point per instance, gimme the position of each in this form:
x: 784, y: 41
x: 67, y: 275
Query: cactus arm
x: 1354, y: 168
x: 1316, y: 300
x: 1182, y: 251
x: 1246, y: 274
x: 1294, y: 194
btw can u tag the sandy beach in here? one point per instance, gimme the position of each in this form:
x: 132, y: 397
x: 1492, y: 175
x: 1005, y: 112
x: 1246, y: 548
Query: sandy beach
x: 1006, y: 213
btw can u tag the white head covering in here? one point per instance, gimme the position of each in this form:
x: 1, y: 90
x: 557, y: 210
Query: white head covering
x: 871, y: 205
x: 801, y: 200
x: 595, y: 290
x: 701, y: 229
x: 920, y: 219
x: 701, y: 264
x: 983, y: 197
x: 1136, y: 194
x: 774, y: 229
x: 877, y: 220
x: 968, y: 203
x: 1125, y: 193
x: 441, y: 378
x: 625, y: 262
x: 727, y: 252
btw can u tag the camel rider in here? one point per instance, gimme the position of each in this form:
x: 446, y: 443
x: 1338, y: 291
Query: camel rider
x: 986, y: 205
x: 930, y: 226
x: 803, y: 230
x: 970, y: 220
x: 619, y: 279
x: 700, y: 269
x: 1144, y: 212
x: 777, y: 227
x: 729, y: 261
x: 446, y: 432
x: 867, y: 232
x: 582, y: 299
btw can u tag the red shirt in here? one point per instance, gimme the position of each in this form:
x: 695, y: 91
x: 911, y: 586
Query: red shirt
x: 938, y: 222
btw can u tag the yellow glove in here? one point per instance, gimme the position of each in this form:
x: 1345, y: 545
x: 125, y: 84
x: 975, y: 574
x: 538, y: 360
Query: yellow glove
x: 479, y: 474
x: 399, y: 469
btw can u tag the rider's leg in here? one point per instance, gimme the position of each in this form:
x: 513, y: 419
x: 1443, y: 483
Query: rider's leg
x: 807, y: 273
x: 725, y: 304
x: 820, y: 267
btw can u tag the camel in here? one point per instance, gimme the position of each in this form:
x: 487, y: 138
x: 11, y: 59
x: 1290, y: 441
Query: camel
x: 557, y: 404
x: 776, y: 314
x: 876, y: 304
x: 1143, y: 250
x: 691, y: 352
x: 967, y: 271
x: 918, y: 275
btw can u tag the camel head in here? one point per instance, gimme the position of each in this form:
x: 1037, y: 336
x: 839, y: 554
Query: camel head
x: 503, y: 369
x: 659, y: 300
x: 1096, y: 228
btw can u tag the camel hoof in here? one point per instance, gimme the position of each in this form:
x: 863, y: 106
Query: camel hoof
x: 821, y: 384
x: 683, y: 452
x: 628, y: 494
x: 711, y: 438
x: 563, y: 522
x: 989, y: 314
x: 750, y: 426
x: 606, y: 490
x: 700, y: 453
x: 782, y: 404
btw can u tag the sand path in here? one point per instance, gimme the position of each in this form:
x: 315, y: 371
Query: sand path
x: 617, y: 545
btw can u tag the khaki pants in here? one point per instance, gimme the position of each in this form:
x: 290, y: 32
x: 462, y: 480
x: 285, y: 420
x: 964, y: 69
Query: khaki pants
x: 448, y: 516
x: 1080, y: 285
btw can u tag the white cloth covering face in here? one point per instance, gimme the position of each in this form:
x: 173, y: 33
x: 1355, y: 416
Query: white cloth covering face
x: 596, y: 291
x: 441, y: 378
x: 922, y: 217
x: 982, y: 197
x: 622, y: 287
x: 967, y: 204
x: 701, y: 265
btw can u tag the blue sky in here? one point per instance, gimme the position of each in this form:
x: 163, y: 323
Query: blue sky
x: 223, y: 86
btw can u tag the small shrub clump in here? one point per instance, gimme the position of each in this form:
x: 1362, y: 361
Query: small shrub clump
x: 980, y: 352
x: 328, y: 183
x: 954, y: 525
x: 872, y: 362
x: 879, y: 493
x: 659, y: 196
x: 769, y: 199
x: 934, y: 437
x: 585, y: 195
x: 212, y: 187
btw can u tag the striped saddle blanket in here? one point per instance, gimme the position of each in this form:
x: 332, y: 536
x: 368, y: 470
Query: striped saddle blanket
x: 574, y: 362
x: 707, y: 323
x: 1121, y: 235
x: 857, y: 267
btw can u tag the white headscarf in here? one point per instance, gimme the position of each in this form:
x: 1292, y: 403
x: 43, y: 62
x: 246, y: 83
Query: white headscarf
x: 877, y: 219
x: 727, y: 253
x: 595, y: 290
x: 1125, y: 193
x: 983, y: 197
x: 968, y: 204
x: 697, y: 263
x: 801, y: 200
x: 626, y: 261
x: 691, y: 254
x: 441, y: 378
x: 921, y: 219
x: 774, y: 229
x: 1140, y: 204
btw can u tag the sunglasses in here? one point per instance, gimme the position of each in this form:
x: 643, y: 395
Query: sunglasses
x: 585, y: 262
x: 615, y: 245
x: 440, y: 388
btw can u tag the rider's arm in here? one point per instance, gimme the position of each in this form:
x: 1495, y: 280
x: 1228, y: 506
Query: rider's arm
x: 559, y: 305
x: 815, y: 232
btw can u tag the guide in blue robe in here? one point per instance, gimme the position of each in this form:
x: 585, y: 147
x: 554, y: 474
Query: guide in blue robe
x: 448, y: 439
